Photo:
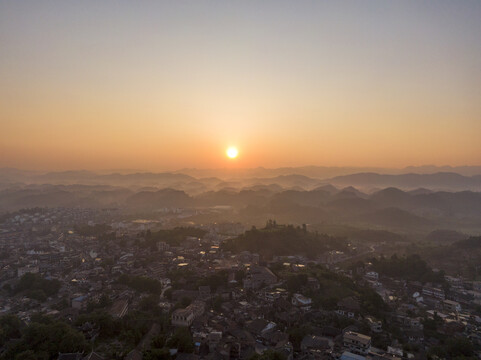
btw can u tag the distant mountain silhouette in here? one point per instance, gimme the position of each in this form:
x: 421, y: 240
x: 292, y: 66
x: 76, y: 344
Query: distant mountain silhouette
x: 410, y: 181
x: 445, y: 236
x: 165, y: 198
x: 416, y: 205
x: 394, y: 217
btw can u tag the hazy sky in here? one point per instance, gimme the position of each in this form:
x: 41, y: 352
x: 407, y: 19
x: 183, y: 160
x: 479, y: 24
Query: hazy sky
x: 165, y: 85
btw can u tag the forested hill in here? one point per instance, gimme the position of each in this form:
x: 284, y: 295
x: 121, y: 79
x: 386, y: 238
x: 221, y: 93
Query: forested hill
x: 474, y: 242
x: 284, y: 240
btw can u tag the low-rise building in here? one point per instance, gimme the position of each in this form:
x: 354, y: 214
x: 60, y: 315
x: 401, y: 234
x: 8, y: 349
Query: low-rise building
x: 259, y: 276
x: 356, y: 342
x: 434, y: 292
x: 80, y: 302
x: 375, y: 325
x: 301, y: 301
x: 451, y: 305
x: 182, y: 317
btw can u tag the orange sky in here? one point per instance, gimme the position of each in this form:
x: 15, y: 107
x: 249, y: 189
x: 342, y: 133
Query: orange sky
x: 165, y: 86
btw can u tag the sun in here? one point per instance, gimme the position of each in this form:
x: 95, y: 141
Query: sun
x: 232, y: 152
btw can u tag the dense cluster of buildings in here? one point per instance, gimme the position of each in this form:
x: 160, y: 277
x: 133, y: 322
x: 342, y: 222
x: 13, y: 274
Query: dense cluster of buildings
x: 249, y: 313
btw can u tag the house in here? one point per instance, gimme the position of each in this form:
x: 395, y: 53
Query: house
x: 271, y: 296
x: 372, y: 275
x: 80, y: 302
x: 451, y: 305
x: 313, y: 283
x: 414, y: 336
x: 434, y: 292
x: 197, y: 307
x: 258, y: 276
x: 259, y: 327
x: 204, y: 292
x: 375, y: 325
x: 134, y: 355
x: 301, y: 302
x: 356, y: 342
x: 348, y: 307
x: 183, y: 317
x: 27, y: 269
x: 311, y: 342
x: 346, y: 355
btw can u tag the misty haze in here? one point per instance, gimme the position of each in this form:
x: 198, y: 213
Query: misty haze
x: 240, y: 180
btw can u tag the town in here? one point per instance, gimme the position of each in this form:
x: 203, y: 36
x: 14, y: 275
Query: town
x: 117, y: 288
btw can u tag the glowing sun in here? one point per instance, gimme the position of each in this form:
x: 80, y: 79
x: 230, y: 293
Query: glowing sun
x: 232, y: 152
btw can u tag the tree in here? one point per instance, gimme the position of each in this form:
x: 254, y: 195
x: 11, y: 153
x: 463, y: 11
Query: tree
x: 296, y: 282
x: 108, y: 327
x: 296, y: 334
x: 141, y: 283
x: 158, y: 342
x: 181, y: 340
x: 26, y: 355
x: 46, y: 341
x: 461, y: 347
x: 37, y: 287
x: 10, y: 327
x: 149, y: 303
x: 268, y: 355
x: 156, y: 354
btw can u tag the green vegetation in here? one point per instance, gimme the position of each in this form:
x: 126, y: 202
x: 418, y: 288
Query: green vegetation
x: 10, y: 328
x: 187, y: 279
x: 453, y: 348
x: 129, y: 330
x: 215, y: 281
x: 268, y: 355
x: 283, y: 241
x: 474, y: 242
x: 141, y: 283
x: 181, y: 340
x: 36, y: 287
x: 333, y: 287
x: 103, y: 303
x: 296, y: 334
x: 296, y: 282
x: 410, y: 267
x: 40, y: 340
x: 108, y: 327
x: 156, y: 354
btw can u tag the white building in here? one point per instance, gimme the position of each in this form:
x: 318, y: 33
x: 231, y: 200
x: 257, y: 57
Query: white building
x: 301, y: 301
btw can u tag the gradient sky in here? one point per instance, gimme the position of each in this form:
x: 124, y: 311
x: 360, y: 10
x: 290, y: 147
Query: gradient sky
x: 165, y: 85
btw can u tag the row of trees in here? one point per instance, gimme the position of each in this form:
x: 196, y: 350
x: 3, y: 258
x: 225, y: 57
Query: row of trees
x: 37, y: 287
x: 141, y: 283
x: 42, y: 339
x: 288, y: 240
x: 410, y: 267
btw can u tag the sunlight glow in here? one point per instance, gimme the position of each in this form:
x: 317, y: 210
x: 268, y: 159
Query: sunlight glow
x: 232, y: 152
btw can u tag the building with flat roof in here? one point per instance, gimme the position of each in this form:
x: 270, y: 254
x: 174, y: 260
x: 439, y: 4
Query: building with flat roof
x: 357, y: 343
x: 183, y: 317
x: 451, y: 305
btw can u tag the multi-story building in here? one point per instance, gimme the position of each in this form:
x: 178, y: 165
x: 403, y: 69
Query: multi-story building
x: 182, y: 317
x: 357, y: 343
